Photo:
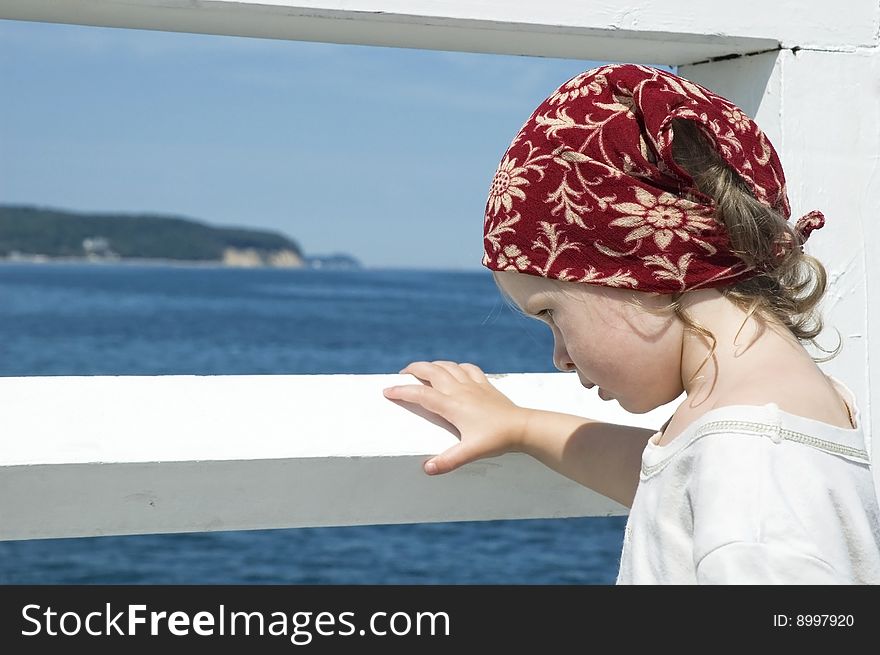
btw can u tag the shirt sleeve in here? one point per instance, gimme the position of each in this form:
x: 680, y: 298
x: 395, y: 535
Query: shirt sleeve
x: 743, y: 562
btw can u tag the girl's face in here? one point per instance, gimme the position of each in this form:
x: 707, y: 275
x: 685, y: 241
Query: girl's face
x: 633, y: 356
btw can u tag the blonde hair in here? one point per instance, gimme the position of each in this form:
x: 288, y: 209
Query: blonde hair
x: 789, y: 285
x: 788, y: 288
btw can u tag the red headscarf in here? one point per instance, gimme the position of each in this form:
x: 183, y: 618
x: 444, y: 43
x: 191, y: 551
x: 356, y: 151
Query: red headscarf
x: 588, y: 190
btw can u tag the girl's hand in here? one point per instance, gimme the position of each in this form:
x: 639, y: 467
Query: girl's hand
x: 489, y: 423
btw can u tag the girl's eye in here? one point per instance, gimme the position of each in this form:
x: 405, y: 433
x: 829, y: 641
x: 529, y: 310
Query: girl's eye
x: 548, y: 313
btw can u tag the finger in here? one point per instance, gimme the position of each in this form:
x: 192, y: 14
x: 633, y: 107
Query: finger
x: 427, y: 397
x: 430, y: 372
x: 454, y: 370
x: 404, y: 369
x: 474, y: 371
x: 449, y: 460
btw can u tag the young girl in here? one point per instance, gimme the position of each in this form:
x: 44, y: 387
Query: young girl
x: 644, y: 219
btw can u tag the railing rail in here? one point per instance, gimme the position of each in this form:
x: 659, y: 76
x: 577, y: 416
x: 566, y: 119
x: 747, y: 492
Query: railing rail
x: 102, y: 455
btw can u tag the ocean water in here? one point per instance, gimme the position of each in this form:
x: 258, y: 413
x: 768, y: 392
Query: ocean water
x: 158, y: 319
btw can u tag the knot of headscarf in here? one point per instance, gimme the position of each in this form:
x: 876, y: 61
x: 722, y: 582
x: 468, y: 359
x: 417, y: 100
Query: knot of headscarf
x: 588, y: 190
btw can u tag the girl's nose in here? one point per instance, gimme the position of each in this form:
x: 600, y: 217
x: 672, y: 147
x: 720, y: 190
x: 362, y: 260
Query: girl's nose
x: 561, y: 360
x: 565, y: 368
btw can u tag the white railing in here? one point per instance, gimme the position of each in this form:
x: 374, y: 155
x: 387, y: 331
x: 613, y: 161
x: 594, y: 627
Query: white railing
x: 101, y: 455
x: 125, y: 455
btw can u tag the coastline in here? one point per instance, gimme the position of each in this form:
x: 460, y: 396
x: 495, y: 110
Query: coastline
x: 282, y: 262
x: 133, y: 261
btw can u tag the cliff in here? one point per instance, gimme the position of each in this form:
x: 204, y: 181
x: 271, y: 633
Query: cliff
x: 42, y: 234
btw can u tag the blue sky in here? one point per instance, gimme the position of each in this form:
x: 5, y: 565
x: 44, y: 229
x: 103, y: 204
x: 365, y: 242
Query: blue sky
x: 383, y: 153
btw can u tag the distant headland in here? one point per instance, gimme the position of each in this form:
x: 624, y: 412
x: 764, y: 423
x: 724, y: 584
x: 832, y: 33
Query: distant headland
x: 39, y: 234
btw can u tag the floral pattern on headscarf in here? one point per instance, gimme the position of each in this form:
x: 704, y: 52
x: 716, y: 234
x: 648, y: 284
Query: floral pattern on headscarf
x: 588, y: 190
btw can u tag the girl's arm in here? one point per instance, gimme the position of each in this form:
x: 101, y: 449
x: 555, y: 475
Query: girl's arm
x: 605, y: 457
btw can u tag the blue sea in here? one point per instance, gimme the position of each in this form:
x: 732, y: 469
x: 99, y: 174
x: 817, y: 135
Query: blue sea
x: 63, y: 318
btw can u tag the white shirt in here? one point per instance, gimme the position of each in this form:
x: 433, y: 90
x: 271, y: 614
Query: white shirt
x: 751, y: 494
